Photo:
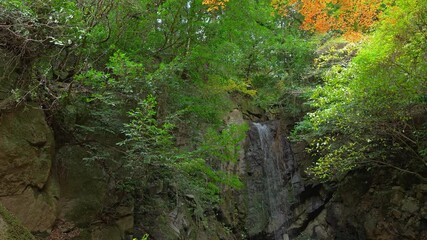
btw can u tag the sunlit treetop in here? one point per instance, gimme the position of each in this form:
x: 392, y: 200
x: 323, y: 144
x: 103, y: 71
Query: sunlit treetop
x: 214, y: 5
x: 351, y: 17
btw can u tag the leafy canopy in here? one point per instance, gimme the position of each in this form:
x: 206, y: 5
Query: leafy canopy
x: 366, y: 109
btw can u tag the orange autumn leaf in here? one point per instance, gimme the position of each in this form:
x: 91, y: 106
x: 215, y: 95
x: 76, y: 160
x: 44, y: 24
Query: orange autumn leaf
x: 352, y: 17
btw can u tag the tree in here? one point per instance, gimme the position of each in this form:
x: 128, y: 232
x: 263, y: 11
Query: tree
x: 214, y: 5
x: 368, y: 113
x: 351, y: 17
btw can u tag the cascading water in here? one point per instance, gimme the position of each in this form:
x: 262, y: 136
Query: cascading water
x: 273, y: 180
x: 270, y: 166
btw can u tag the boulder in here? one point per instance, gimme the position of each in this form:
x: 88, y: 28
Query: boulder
x: 318, y: 228
x: 125, y: 223
x: 36, y: 210
x: 107, y: 232
x: 26, y: 150
x: 410, y: 205
x: 10, y: 228
x: 235, y: 117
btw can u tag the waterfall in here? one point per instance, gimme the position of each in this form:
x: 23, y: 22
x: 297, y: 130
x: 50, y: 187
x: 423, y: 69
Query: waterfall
x: 270, y: 166
x: 273, y: 181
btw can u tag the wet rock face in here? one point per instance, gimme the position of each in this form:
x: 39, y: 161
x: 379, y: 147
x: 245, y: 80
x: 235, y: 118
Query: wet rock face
x: 271, y: 180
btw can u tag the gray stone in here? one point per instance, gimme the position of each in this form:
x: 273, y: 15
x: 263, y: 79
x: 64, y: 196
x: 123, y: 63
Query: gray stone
x: 337, y: 212
x: 321, y: 233
x: 420, y: 191
x: 422, y: 188
x: 397, y: 195
x: 125, y: 223
x: 397, y: 214
x: 424, y: 212
x: 235, y: 117
x: 318, y: 228
x: 36, y: 211
x: 370, y: 225
x: 410, y: 205
x: 313, y: 204
x: 106, y: 232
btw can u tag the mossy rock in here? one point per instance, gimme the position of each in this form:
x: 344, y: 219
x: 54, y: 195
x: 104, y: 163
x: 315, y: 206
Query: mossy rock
x: 11, y: 229
x: 26, y: 150
x: 107, y: 232
x: 27, y: 188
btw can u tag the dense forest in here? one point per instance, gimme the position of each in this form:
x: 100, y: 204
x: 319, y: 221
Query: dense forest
x: 143, y: 93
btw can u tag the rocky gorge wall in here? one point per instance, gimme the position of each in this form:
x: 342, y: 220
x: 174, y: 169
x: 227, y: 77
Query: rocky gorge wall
x: 280, y: 201
x: 54, y: 194
x: 47, y: 188
x: 27, y: 187
x: 385, y: 205
x: 272, y: 179
x: 268, y: 168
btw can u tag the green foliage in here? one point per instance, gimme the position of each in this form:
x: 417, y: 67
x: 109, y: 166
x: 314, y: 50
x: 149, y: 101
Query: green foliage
x: 224, y: 146
x: 151, y: 156
x: 365, y: 110
x: 134, y: 76
x: 145, y: 237
x: 285, y: 61
x: 303, y: 236
x: 149, y: 142
x: 43, y: 22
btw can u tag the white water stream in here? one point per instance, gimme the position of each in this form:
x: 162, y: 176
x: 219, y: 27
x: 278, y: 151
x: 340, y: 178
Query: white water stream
x: 275, y: 195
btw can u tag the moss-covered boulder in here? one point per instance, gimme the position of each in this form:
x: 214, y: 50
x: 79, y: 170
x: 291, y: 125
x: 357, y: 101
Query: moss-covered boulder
x: 35, y: 209
x: 26, y: 152
x: 11, y: 229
